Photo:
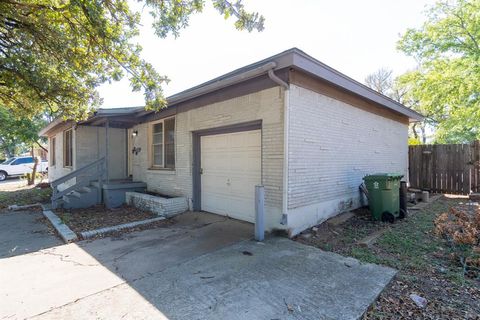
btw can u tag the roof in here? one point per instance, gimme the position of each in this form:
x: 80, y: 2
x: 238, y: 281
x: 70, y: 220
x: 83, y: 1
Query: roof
x: 292, y: 58
x: 98, y: 116
x: 297, y: 59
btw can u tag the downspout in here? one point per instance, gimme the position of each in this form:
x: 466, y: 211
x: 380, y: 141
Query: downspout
x: 286, y: 116
x: 277, y: 80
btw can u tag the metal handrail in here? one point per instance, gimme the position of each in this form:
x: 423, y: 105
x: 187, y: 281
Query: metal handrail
x: 99, y: 172
x: 75, y: 173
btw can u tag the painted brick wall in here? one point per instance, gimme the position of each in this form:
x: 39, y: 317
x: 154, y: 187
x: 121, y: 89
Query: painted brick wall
x: 332, y: 146
x: 58, y: 170
x: 266, y: 105
x: 88, y: 147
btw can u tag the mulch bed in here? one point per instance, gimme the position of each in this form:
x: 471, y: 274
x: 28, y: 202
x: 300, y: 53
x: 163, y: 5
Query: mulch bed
x: 424, y: 261
x: 99, y: 217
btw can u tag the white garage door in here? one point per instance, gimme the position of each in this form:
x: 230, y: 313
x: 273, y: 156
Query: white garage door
x: 231, y: 166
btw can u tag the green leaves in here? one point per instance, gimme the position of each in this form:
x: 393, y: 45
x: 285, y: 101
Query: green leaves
x: 55, y: 53
x: 17, y: 134
x: 245, y: 20
x: 446, y: 84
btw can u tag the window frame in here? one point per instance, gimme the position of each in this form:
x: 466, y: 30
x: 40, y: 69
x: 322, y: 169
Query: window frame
x: 53, y: 153
x: 164, y: 136
x: 70, y: 164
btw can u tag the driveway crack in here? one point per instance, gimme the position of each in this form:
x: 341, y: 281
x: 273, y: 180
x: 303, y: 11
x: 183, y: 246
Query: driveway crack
x: 64, y: 259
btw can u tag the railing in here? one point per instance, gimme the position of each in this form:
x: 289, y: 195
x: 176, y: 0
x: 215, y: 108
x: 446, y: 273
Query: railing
x: 83, y: 177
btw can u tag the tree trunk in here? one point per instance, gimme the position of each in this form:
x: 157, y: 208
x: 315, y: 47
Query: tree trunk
x: 424, y: 137
x: 414, y: 130
x: 31, y: 178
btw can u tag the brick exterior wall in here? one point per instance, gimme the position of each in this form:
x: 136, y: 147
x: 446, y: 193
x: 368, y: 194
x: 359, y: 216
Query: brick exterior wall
x: 332, y: 146
x: 58, y: 170
x: 89, y: 145
x: 266, y: 105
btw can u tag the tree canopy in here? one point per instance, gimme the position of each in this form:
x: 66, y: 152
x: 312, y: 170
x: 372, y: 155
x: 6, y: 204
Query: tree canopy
x: 384, y: 82
x: 17, y: 135
x: 446, y: 84
x: 55, y: 53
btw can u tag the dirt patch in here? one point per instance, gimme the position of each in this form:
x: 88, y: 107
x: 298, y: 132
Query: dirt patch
x: 341, y: 238
x: 99, y: 217
x: 424, y: 261
x: 24, y: 195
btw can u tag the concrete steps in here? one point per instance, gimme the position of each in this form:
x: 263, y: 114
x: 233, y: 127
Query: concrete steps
x: 82, y: 198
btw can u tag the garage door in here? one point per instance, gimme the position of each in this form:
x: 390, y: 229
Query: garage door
x: 231, y: 167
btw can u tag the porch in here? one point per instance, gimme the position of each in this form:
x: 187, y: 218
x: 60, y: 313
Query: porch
x: 100, y: 170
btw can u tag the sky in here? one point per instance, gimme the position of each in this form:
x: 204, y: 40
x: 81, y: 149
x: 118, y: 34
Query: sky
x: 354, y: 37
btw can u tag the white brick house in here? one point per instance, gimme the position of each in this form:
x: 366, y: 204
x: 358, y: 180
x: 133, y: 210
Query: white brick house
x: 304, y: 131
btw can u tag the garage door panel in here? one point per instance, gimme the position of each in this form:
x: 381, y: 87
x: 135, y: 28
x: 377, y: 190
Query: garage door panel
x: 231, y: 165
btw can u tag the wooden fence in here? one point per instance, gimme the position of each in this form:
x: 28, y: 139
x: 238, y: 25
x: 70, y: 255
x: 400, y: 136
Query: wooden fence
x: 445, y: 168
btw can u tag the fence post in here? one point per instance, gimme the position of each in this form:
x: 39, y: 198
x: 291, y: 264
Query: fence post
x: 259, y: 213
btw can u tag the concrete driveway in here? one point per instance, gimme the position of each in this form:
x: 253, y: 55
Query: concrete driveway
x: 23, y: 232
x: 202, y: 267
x: 10, y: 183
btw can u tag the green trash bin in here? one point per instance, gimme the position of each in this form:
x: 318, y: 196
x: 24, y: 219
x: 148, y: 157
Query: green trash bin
x: 383, y: 195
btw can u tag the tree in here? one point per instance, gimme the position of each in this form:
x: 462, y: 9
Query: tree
x: 381, y: 81
x: 55, y: 53
x: 446, y: 83
x: 384, y: 82
x: 19, y: 134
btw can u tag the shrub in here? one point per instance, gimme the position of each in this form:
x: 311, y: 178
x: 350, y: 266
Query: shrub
x: 461, y: 228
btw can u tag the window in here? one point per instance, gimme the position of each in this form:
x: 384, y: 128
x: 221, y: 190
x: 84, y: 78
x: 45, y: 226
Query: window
x: 67, y: 148
x: 53, y: 143
x: 163, y: 144
x: 23, y: 161
x: 9, y: 161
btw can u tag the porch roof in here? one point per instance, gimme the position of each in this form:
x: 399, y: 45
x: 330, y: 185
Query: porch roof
x: 117, y: 118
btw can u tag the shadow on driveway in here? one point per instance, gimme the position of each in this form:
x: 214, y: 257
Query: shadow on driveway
x: 22, y: 232
x: 202, y: 267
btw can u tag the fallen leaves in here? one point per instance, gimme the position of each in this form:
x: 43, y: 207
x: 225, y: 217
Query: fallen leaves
x: 99, y: 217
x: 460, y: 226
x: 426, y: 264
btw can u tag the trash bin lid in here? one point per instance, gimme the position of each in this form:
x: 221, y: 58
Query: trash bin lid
x: 383, y: 176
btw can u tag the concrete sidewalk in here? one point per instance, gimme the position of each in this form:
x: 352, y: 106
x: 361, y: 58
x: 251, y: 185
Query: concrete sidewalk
x: 202, y: 267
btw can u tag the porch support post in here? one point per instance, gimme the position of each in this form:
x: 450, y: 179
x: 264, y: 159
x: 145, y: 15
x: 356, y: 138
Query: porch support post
x: 106, y: 150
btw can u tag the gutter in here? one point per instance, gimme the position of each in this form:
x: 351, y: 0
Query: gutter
x: 50, y: 126
x: 183, y: 96
x: 310, y: 65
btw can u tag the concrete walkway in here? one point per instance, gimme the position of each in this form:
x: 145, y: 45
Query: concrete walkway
x: 202, y: 267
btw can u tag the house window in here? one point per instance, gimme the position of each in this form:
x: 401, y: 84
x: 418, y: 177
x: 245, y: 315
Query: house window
x: 53, y: 143
x: 67, y: 148
x: 163, y: 144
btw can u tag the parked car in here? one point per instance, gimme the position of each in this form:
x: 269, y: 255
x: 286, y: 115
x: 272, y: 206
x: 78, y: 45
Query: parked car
x: 19, y: 166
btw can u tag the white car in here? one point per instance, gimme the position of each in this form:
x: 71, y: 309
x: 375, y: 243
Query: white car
x: 19, y: 166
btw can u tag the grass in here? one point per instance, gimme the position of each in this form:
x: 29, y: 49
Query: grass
x: 23, y: 196
x: 424, y: 262
x: 412, y: 242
